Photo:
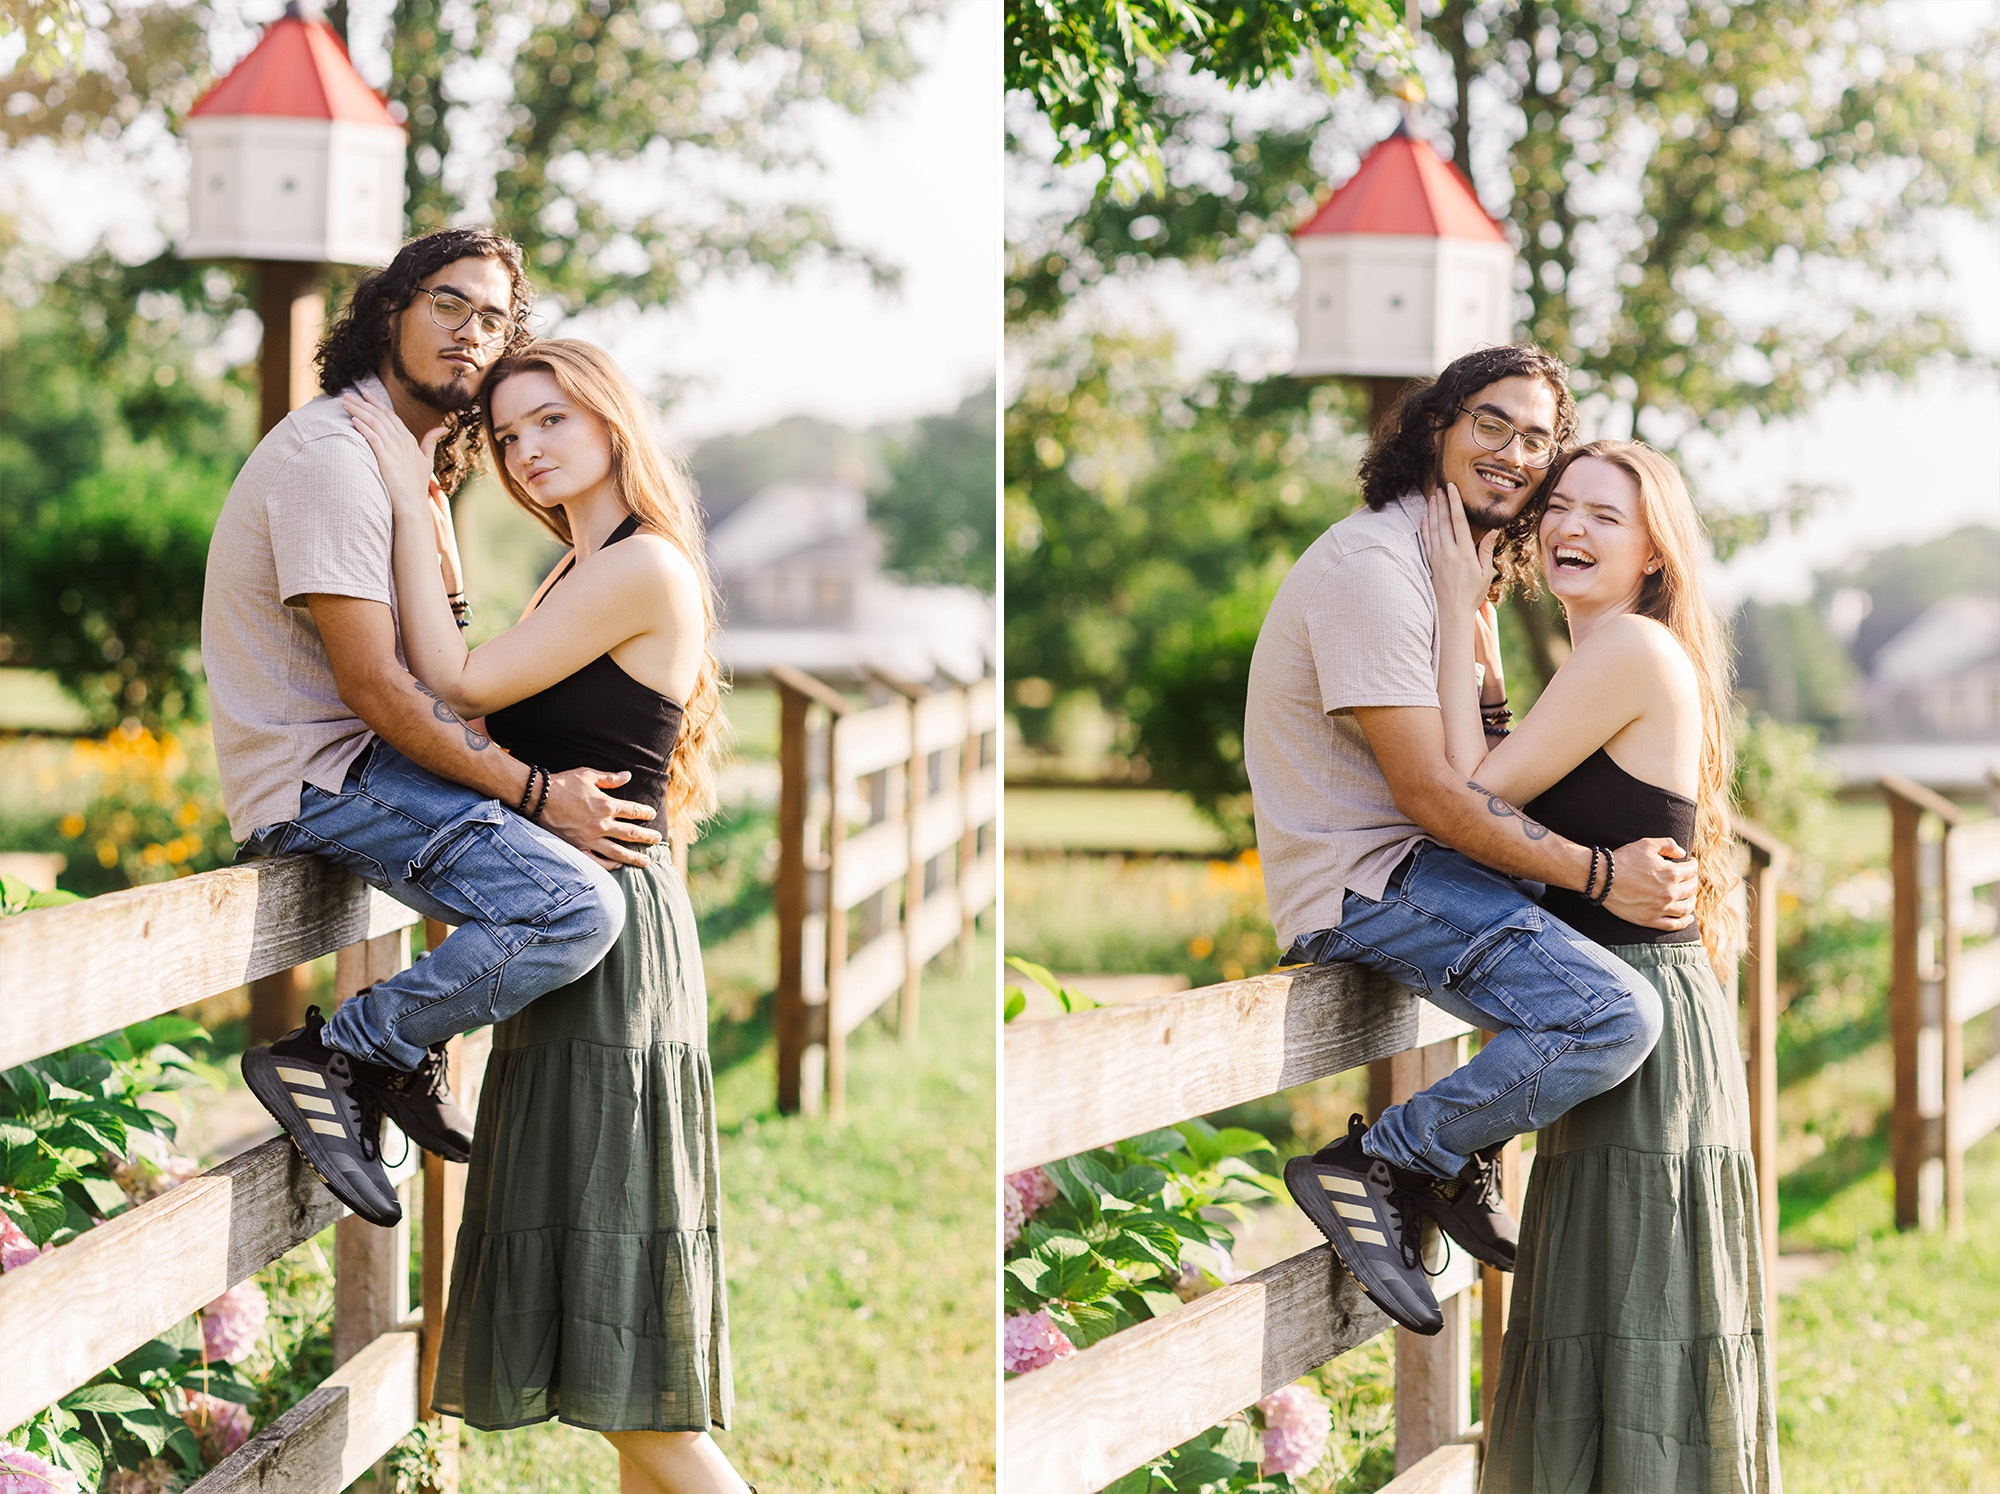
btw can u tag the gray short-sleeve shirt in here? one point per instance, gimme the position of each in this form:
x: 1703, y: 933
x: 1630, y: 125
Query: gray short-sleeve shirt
x: 308, y: 514
x: 1353, y: 624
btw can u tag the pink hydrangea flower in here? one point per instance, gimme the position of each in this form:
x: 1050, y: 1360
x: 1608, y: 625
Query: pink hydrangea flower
x: 21, y: 1472
x: 16, y: 1249
x: 1012, y: 1214
x: 1037, y: 1189
x: 1296, y: 1426
x: 230, y: 1324
x: 154, y: 1476
x: 219, y: 1426
x: 1031, y: 1341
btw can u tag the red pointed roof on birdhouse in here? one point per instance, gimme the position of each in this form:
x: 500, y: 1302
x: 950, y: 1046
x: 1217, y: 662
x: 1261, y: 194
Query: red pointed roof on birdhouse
x: 1402, y: 187
x: 297, y: 70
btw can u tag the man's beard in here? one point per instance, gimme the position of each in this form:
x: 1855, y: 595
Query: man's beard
x: 446, y: 399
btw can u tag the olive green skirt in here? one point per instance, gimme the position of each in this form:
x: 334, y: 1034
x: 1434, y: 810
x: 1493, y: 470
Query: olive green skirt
x: 588, y: 1283
x: 1636, y: 1360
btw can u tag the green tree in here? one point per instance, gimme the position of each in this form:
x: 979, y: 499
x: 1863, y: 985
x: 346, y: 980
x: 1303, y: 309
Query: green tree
x: 1092, y: 68
x: 936, y: 509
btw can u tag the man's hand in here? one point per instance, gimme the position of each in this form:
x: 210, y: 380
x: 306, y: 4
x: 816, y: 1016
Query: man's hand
x: 603, y: 828
x: 1653, y: 884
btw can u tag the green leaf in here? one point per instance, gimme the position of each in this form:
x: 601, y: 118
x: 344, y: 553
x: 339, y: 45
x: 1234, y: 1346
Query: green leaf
x: 145, y: 1036
x: 152, y: 1426
x: 39, y: 1215
x: 1138, y: 1481
x: 1191, y: 1470
x: 222, y: 1384
x: 106, y: 1396
x: 181, y: 1440
x: 156, y: 1354
x: 80, y: 1452
x: 28, y: 1167
x: 1201, y: 1141
x: 1156, y: 1143
x: 1235, y: 1141
x: 1241, y: 1443
x: 105, y: 1196
x: 1017, y: 1002
x: 1158, y: 1300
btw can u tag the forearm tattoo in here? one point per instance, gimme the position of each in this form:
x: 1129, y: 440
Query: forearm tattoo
x: 473, y: 739
x: 1500, y: 809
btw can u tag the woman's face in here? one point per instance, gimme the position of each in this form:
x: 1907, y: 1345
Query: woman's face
x: 1594, y: 546
x: 552, y: 448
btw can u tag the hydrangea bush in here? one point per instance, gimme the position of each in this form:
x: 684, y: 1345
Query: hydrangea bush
x: 80, y: 1145
x: 1098, y: 1242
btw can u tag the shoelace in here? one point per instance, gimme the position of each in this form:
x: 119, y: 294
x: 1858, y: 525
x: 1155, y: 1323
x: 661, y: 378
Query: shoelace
x: 1410, y: 1233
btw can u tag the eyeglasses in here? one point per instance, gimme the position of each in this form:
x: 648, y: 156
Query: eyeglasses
x: 1493, y: 433
x: 453, y: 312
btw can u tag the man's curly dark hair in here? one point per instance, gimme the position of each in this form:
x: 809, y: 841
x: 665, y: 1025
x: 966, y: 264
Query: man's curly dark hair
x: 357, y: 341
x: 1403, y: 457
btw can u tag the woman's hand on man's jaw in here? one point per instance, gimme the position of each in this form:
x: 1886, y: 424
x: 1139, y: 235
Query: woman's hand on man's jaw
x: 408, y: 466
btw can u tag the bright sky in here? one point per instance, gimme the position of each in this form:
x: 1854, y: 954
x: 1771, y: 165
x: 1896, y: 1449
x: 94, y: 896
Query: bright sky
x: 917, y: 183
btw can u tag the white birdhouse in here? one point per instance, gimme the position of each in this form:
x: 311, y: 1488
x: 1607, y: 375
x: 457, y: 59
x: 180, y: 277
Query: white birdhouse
x: 1401, y: 271
x: 295, y: 157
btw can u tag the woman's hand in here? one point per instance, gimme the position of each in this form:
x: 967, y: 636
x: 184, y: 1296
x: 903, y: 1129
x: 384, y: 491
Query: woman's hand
x: 1461, y: 572
x: 407, y: 464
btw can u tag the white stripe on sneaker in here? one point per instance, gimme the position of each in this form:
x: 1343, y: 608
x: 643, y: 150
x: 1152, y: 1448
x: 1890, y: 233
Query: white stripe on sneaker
x: 327, y: 1128
x: 313, y: 1103
x: 301, y: 1076
x: 1353, y: 1211
x: 1369, y: 1236
x: 1333, y: 1183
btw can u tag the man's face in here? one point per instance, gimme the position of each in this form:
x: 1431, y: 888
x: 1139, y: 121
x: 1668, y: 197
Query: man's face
x: 1495, y: 486
x: 434, y: 363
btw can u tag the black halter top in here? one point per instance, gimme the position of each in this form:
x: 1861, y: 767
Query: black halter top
x: 1597, y: 803
x: 599, y: 717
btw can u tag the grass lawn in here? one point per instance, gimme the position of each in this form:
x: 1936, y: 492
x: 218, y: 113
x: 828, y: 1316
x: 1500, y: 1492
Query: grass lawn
x: 1065, y: 819
x: 860, y: 1265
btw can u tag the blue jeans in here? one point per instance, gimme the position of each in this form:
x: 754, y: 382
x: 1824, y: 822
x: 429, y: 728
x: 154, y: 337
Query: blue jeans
x: 1571, y: 1019
x: 533, y: 912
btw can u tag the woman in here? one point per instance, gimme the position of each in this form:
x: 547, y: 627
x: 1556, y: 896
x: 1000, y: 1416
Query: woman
x: 588, y: 1283
x: 1636, y: 1361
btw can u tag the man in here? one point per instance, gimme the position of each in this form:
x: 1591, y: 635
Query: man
x: 1375, y: 853
x: 326, y: 744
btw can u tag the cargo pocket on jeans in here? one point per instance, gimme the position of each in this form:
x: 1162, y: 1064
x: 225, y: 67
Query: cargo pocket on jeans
x: 473, y: 854
x: 1509, y: 966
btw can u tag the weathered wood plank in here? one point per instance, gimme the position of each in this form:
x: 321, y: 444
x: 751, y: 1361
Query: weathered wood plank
x: 99, y: 1297
x: 72, y: 973
x: 874, y: 739
x: 1090, y: 1078
x: 1975, y: 854
x: 1452, y: 1469
x: 937, y: 824
x: 939, y: 722
x: 1978, y: 1103
x: 982, y: 796
x: 869, y: 861
x: 334, y: 1435
x: 935, y: 926
x: 982, y: 706
x: 1076, y: 1425
x: 1975, y: 981
x: 873, y: 974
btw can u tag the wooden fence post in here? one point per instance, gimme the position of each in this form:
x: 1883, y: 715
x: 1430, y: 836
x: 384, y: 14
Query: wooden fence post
x: 1433, y: 1372
x: 790, y: 1015
x: 278, y: 1004
x: 1921, y: 1030
x: 835, y: 1037
x: 444, y: 1205
x: 969, y: 765
x: 371, y: 1273
x: 1760, y: 997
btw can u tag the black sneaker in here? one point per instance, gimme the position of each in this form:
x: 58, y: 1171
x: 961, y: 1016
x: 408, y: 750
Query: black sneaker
x: 1469, y: 1207
x: 1373, y: 1224
x: 329, y: 1104
x: 421, y: 1104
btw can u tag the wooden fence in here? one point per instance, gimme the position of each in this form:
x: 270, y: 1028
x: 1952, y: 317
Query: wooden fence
x: 1091, y: 1078
x: 886, y: 856
x: 1937, y: 860
x: 76, y: 972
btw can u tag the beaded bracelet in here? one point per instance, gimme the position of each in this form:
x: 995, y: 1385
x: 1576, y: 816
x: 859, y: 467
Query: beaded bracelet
x: 536, y: 813
x: 528, y: 792
x: 1591, y: 880
x: 1610, y: 870
x: 461, y: 609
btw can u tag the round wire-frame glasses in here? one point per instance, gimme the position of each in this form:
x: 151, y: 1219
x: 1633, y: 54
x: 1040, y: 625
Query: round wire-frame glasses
x: 1494, y: 434
x: 452, y: 312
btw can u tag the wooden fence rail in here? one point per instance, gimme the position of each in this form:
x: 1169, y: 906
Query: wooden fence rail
x: 885, y: 820
x: 1938, y: 860
x: 72, y: 973
x: 1090, y: 1078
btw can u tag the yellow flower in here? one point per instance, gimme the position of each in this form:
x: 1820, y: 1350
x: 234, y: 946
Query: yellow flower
x: 107, y: 853
x: 72, y: 826
x: 177, y: 851
x: 1200, y: 947
x: 188, y: 815
x: 154, y: 855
